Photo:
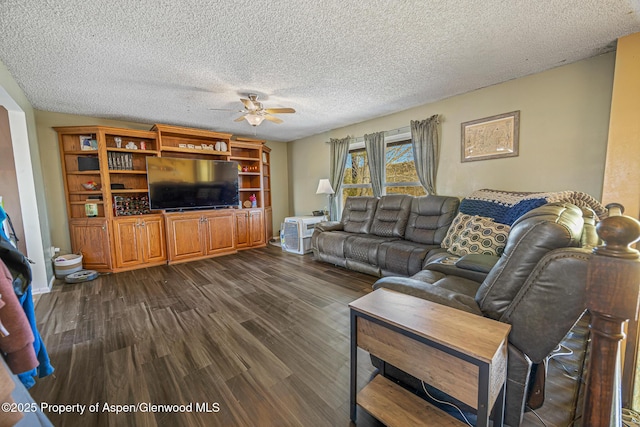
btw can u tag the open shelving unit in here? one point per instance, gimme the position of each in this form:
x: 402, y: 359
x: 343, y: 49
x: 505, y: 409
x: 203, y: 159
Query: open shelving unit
x: 176, y: 141
x: 112, y: 225
x: 248, y: 153
x: 120, y: 197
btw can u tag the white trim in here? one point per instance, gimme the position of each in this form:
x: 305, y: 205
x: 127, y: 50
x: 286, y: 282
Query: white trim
x: 26, y: 191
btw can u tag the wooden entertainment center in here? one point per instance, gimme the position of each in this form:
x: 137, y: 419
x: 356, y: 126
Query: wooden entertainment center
x: 107, y: 195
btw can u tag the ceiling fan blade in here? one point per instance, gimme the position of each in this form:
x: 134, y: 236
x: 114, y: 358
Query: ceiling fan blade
x: 273, y: 119
x: 239, y: 119
x: 279, y: 110
x: 249, y: 105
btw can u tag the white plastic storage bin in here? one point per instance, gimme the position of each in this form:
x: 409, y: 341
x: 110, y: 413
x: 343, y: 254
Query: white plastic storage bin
x: 67, y: 264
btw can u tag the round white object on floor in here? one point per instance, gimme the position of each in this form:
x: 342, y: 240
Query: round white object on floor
x: 81, y: 276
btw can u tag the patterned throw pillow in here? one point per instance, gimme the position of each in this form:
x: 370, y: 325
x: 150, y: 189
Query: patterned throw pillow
x: 456, y: 227
x: 480, y: 235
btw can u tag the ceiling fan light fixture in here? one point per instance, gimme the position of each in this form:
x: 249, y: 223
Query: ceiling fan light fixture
x: 254, y: 119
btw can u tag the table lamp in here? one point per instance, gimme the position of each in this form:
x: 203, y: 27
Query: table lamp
x: 324, y: 187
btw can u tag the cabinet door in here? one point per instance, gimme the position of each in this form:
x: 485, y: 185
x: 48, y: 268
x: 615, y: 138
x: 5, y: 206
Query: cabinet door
x: 152, y: 239
x: 185, y: 238
x: 91, y: 238
x: 242, y: 229
x: 126, y: 240
x: 256, y: 228
x: 219, y: 233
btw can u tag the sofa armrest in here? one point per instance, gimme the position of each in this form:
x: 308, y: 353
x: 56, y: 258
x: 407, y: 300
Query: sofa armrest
x: 448, y: 264
x: 420, y: 289
x: 329, y: 226
x: 477, y: 262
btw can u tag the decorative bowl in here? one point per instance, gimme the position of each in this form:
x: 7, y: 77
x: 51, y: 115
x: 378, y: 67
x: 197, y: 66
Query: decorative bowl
x: 90, y: 185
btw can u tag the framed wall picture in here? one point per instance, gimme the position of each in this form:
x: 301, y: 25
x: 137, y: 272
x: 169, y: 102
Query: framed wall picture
x: 85, y: 143
x: 491, y: 137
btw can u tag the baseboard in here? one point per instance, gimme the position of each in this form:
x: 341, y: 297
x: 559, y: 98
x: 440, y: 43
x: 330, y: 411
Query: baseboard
x: 44, y: 291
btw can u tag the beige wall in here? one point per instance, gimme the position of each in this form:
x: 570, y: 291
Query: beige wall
x: 52, y: 171
x: 622, y: 172
x: 564, y: 117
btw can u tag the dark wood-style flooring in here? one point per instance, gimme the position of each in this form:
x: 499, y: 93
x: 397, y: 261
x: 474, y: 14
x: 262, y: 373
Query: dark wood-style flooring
x: 262, y: 335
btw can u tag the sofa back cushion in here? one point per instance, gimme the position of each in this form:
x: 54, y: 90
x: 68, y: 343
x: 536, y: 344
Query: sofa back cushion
x: 533, y: 235
x: 357, y: 214
x: 430, y: 218
x: 392, y: 214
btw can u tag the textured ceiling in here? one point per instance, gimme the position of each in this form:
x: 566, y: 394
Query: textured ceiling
x: 337, y: 62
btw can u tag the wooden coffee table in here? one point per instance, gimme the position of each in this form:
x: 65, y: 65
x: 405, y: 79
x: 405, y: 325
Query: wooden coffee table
x: 461, y: 354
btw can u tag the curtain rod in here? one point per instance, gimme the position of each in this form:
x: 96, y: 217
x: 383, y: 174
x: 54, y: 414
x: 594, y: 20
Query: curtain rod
x: 392, y: 132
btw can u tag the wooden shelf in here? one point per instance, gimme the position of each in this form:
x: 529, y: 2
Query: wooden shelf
x: 397, y: 407
x: 82, y: 202
x: 130, y: 190
x: 251, y: 159
x: 130, y: 172
x: 91, y: 172
x: 250, y: 189
x: 249, y: 173
x: 126, y: 150
x: 194, y: 151
x: 87, y: 192
x: 82, y: 152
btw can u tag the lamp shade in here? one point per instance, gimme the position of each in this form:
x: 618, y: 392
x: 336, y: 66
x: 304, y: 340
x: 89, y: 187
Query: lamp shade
x: 254, y: 119
x: 324, y: 187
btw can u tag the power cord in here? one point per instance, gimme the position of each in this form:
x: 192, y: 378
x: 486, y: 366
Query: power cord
x: 537, y: 416
x: 556, y: 352
x: 445, y: 403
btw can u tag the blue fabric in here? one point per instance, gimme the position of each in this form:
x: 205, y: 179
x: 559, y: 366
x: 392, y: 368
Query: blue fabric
x: 45, y: 368
x: 499, y: 212
x: 3, y: 216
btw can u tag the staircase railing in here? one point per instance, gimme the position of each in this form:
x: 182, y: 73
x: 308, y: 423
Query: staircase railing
x: 613, y: 284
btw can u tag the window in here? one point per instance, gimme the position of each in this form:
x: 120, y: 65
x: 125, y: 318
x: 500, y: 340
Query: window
x: 357, y: 181
x: 400, y: 171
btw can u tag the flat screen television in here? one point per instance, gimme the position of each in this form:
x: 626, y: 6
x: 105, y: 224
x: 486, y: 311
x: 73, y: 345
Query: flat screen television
x: 176, y: 184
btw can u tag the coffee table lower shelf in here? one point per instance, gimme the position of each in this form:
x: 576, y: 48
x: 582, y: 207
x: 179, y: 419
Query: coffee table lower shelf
x: 397, y: 407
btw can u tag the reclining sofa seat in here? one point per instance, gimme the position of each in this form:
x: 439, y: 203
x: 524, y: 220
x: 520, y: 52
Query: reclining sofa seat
x: 329, y: 238
x: 429, y: 220
x: 388, y: 225
x: 389, y: 236
x: 537, y: 286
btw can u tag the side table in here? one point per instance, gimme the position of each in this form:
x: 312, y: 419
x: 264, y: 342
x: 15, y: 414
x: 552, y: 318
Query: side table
x: 459, y: 353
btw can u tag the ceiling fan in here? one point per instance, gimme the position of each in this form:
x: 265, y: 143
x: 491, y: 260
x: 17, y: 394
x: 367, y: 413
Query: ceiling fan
x: 255, y: 113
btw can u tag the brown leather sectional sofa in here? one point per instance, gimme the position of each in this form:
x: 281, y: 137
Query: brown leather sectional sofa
x: 537, y: 284
x: 389, y: 236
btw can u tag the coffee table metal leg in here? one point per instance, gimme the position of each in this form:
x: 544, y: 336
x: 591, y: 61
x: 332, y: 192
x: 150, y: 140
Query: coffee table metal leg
x: 354, y: 366
x: 498, y: 407
x: 483, y: 397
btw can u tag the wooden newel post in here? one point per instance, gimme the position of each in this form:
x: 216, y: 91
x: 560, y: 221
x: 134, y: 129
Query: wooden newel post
x: 613, y: 282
